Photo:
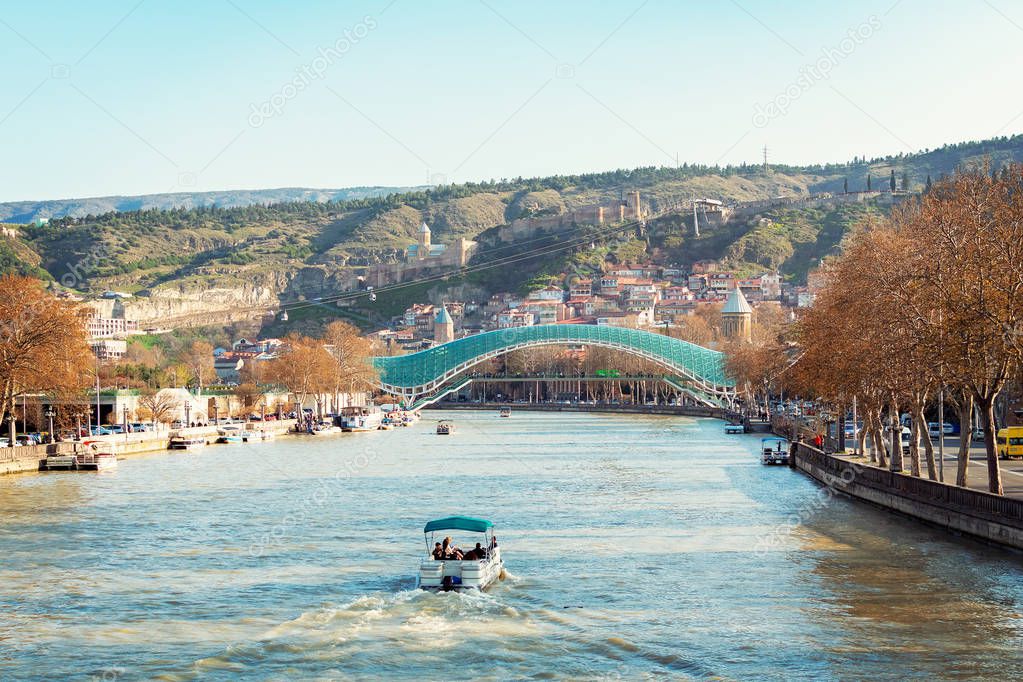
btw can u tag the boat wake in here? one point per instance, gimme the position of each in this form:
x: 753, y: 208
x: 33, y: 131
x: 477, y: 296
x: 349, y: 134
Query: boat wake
x: 409, y: 633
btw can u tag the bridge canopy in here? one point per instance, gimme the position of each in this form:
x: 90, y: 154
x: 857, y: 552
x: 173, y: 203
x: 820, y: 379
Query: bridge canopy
x: 422, y: 372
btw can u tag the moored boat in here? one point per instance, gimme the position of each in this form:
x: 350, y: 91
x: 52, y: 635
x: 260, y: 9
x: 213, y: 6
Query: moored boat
x: 100, y: 460
x: 186, y: 443
x: 358, y: 419
x: 95, y: 456
x: 734, y: 428
x: 231, y: 434
x: 774, y: 450
x: 477, y: 568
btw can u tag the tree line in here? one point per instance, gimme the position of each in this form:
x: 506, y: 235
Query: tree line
x: 923, y: 305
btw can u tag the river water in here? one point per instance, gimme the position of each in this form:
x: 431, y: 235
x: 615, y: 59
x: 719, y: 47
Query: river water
x: 636, y: 547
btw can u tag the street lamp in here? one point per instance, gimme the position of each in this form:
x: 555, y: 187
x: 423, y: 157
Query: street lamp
x: 216, y: 419
x: 125, y: 411
x: 50, y: 415
x: 188, y: 409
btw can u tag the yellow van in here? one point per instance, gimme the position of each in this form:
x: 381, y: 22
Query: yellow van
x: 1010, y: 442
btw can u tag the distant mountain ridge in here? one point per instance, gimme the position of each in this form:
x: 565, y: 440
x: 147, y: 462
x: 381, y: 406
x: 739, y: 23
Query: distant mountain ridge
x: 30, y: 211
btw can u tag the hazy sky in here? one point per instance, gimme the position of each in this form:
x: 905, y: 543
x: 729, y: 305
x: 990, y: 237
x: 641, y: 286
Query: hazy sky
x: 129, y: 97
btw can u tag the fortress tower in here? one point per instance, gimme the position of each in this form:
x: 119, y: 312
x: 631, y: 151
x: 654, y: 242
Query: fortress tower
x: 737, y: 317
x: 443, y: 325
x: 635, y: 209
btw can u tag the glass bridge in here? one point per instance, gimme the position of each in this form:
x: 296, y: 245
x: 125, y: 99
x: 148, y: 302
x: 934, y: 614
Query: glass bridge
x: 422, y: 374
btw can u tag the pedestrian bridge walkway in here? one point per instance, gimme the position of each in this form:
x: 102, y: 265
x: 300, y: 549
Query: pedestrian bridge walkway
x: 415, y: 376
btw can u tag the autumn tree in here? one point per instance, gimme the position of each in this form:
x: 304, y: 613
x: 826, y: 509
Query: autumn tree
x: 197, y: 357
x: 350, y: 354
x: 43, y: 344
x: 158, y: 406
x: 303, y: 366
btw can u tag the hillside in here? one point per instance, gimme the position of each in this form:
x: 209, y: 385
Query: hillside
x: 30, y: 211
x: 215, y: 262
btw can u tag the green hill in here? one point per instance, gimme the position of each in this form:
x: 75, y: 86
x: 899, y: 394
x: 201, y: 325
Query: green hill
x: 312, y: 248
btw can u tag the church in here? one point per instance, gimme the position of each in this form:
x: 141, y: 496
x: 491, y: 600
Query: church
x: 423, y: 256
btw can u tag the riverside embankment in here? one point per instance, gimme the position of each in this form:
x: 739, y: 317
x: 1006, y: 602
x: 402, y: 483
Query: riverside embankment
x: 31, y: 458
x: 993, y: 518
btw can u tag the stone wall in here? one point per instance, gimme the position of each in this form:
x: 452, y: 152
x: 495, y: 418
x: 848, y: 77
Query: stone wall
x: 993, y: 518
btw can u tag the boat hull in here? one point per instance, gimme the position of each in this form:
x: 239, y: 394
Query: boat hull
x: 454, y: 575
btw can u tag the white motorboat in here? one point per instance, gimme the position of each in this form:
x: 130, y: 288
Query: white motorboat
x: 505, y: 411
x: 95, y: 456
x: 475, y: 568
x: 97, y: 460
x: 358, y: 419
x: 445, y: 427
x: 325, y: 429
x: 735, y: 428
x: 774, y: 451
x: 231, y: 434
x: 186, y: 443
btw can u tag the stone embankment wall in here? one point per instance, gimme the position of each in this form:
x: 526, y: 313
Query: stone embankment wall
x: 993, y: 518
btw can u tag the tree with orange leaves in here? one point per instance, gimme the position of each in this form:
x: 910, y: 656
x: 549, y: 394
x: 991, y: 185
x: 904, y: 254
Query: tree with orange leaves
x: 43, y: 344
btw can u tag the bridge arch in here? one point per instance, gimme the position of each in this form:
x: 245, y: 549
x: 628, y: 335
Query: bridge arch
x: 425, y: 372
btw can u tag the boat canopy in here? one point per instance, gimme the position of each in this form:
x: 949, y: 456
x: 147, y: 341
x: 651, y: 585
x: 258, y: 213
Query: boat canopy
x: 459, y: 523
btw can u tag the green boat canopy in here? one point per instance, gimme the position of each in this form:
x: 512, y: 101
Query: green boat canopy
x: 459, y: 523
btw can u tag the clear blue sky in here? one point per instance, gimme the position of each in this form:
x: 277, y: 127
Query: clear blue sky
x: 129, y: 97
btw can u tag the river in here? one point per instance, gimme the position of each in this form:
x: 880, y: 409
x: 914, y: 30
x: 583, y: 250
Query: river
x: 636, y: 548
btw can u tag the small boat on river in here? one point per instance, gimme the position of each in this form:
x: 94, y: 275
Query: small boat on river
x: 475, y: 568
x: 505, y: 412
x: 774, y: 450
x: 187, y: 443
x: 445, y: 428
x: 233, y: 434
x: 96, y: 456
x: 733, y: 427
x: 359, y: 419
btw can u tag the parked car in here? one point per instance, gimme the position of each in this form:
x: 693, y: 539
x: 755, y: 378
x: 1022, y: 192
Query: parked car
x: 26, y: 439
x: 100, y: 431
x: 139, y: 427
x: 5, y: 443
x: 932, y: 429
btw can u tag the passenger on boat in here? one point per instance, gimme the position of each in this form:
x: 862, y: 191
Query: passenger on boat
x: 438, y: 552
x: 450, y: 551
x: 476, y: 553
